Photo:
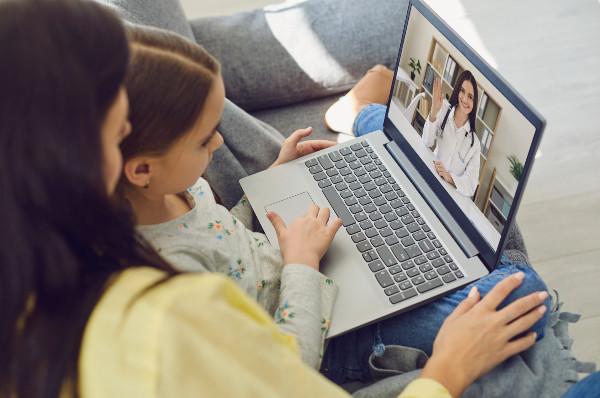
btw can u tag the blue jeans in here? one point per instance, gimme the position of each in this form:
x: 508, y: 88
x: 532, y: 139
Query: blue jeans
x: 346, y: 357
x: 369, y: 119
x: 586, y: 388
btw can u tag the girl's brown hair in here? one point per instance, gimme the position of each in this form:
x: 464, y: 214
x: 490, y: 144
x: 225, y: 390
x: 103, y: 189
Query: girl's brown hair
x: 168, y: 83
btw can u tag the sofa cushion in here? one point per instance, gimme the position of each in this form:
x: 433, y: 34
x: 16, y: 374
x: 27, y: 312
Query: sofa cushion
x: 300, y: 50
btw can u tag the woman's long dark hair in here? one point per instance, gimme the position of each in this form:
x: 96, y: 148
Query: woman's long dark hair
x: 466, y: 75
x: 63, y: 62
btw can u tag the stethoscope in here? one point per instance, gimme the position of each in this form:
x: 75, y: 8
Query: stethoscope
x: 443, y: 126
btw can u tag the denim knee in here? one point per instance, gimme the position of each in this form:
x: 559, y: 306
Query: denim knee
x: 531, y: 283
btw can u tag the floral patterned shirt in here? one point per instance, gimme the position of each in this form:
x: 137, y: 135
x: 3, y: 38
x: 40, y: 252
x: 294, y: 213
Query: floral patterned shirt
x: 209, y: 238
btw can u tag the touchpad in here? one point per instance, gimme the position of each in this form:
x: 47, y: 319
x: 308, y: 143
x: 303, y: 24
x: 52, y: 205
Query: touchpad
x: 291, y: 208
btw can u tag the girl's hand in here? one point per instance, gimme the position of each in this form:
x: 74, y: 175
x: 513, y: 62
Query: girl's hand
x: 475, y: 337
x: 436, y: 100
x: 441, y: 170
x: 292, y: 148
x: 307, y: 238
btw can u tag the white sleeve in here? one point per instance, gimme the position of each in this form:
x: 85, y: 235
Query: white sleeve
x: 430, y: 128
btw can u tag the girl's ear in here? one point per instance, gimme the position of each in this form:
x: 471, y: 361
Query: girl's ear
x: 138, y: 171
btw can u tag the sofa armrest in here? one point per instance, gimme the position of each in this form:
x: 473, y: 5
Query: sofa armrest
x: 292, y: 52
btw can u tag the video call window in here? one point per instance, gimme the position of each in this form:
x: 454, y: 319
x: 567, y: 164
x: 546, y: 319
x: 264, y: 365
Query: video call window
x: 476, y: 135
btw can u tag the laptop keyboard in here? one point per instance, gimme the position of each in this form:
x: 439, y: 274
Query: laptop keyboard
x: 398, y: 246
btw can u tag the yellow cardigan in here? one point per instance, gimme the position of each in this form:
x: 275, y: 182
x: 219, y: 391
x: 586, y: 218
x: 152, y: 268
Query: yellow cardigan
x: 196, y: 335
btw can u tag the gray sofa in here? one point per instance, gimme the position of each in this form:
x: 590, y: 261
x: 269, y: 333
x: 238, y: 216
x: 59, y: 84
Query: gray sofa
x: 282, y: 67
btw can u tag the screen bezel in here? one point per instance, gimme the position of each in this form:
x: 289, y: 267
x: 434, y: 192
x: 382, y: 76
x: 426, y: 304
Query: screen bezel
x: 489, y: 255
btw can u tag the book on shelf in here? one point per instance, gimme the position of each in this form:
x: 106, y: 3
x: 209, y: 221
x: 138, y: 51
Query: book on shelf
x: 449, y: 69
x: 424, y: 107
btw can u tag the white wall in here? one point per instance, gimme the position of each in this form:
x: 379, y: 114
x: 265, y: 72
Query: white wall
x: 205, y: 8
x: 513, y: 132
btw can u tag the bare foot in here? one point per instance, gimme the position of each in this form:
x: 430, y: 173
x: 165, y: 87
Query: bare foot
x: 372, y: 88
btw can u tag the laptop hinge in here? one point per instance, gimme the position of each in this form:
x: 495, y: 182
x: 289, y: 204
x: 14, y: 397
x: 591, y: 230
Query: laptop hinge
x: 432, y: 199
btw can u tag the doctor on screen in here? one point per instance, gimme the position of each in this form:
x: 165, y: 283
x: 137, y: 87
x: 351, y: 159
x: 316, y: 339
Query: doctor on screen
x: 451, y: 125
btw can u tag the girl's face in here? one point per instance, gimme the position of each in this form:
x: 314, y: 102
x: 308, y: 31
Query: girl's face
x: 114, y: 129
x: 188, y: 158
x: 465, y: 97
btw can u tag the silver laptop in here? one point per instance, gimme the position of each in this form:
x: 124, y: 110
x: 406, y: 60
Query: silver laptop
x: 409, y: 236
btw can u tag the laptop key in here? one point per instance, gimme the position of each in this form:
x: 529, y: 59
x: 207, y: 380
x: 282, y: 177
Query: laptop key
x: 350, y: 158
x: 401, y: 211
x: 387, y: 231
x: 350, y: 178
x: 341, y: 186
x: 386, y: 256
x: 338, y: 206
x: 370, y: 208
x: 376, y: 265
x: 365, y: 160
x: 405, y: 285
x: 430, y: 275
x: 364, y: 246
x: 354, y: 185
x: 410, y: 207
x: 396, y: 204
x: 379, y: 201
x: 397, y: 298
x: 350, y: 201
x: 360, y: 193
x: 335, y: 156
x: 345, y: 151
x: 425, y: 245
x: 443, y: 251
x: 324, y: 183
x: 400, y: 277
x: 358, y: 237
x: 369, y: 150
x: 336, y: 179
x: 391, y: 196
x: 459, y: 274
x: 419, y: 235
x: 325, y: 162
x: 376, y: 241
x: 412, y: 272
x: 420, y: 260
x: 417, y: 280
x: 408, y: 264
x: 363, y: 179
x: 408, y: 241
x: 375, y: 174
x: 375, y: 216
x: 360, y: 217
x: 391, y: 290
x: 360, y: 153
x: 407, y: 219
x: 401, y: 232
x: 354, y: 164
x: 370, y: 255
x: 346, y: 194
x: 389, y: 217
x: 365, y: 144
x: 356, y: 147
x: 412, y: 227
x: 379, y: 224
x: 364, y: 200
x: 344, y: 171
x: 385, y: 188
x: 433, y: 255
x: 400, y: 253
x: 311, y: 163
x: 453, y: 266
x: 447, y: 258
x: 427, y: 229
x: 438, y: 262
x: 414, y: 251
x: 332, y: 172
x: 443, y: 270
x: 361, y: 173
x: 384, y: 278
x: 353, y: 229
x: 374, y: 193
x: 370, y: 167
x: 425, y: 267
x: 355, y: 208
x: 385, y: 209
x: 432, y: 284
x: 395, y: 269
x: 319, y: 176
x: 366, y: 224
x: 371, y: 233
x: 380, y: 181
x: 391, y: 240
x: 437, y: 244
x: 448, y: 278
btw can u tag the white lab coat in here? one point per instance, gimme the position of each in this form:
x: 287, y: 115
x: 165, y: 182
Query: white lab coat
x: 454, y: 150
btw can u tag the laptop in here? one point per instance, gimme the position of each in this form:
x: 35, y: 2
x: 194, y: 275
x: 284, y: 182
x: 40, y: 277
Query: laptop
x: 408, y: 236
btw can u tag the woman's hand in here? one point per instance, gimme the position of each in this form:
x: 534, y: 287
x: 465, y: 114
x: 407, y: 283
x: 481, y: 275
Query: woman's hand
x: 436, y: 100
x: 307, y: 238
x: 441, y: 170
x: 476, y: 337
x: 292, y: 148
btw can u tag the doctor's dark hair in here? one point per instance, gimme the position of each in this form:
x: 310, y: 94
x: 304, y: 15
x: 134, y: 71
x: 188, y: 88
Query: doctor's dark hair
x: 466, y: 76
x: 63, y: 237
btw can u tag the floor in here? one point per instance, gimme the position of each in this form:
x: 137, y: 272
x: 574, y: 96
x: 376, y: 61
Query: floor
x: 550, y: 53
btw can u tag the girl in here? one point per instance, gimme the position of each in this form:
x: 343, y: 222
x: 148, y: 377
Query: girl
x: 169, y: 149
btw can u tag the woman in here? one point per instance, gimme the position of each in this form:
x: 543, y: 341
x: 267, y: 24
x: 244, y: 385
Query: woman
x: 450, y: 126
x: 87, y: 307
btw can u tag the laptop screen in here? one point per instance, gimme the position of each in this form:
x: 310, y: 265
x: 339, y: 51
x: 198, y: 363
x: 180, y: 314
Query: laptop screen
x: 467, y: 126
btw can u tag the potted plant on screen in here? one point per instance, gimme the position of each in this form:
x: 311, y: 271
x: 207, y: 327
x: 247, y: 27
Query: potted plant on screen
x: 516, y: 167
x: 415, y: 68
